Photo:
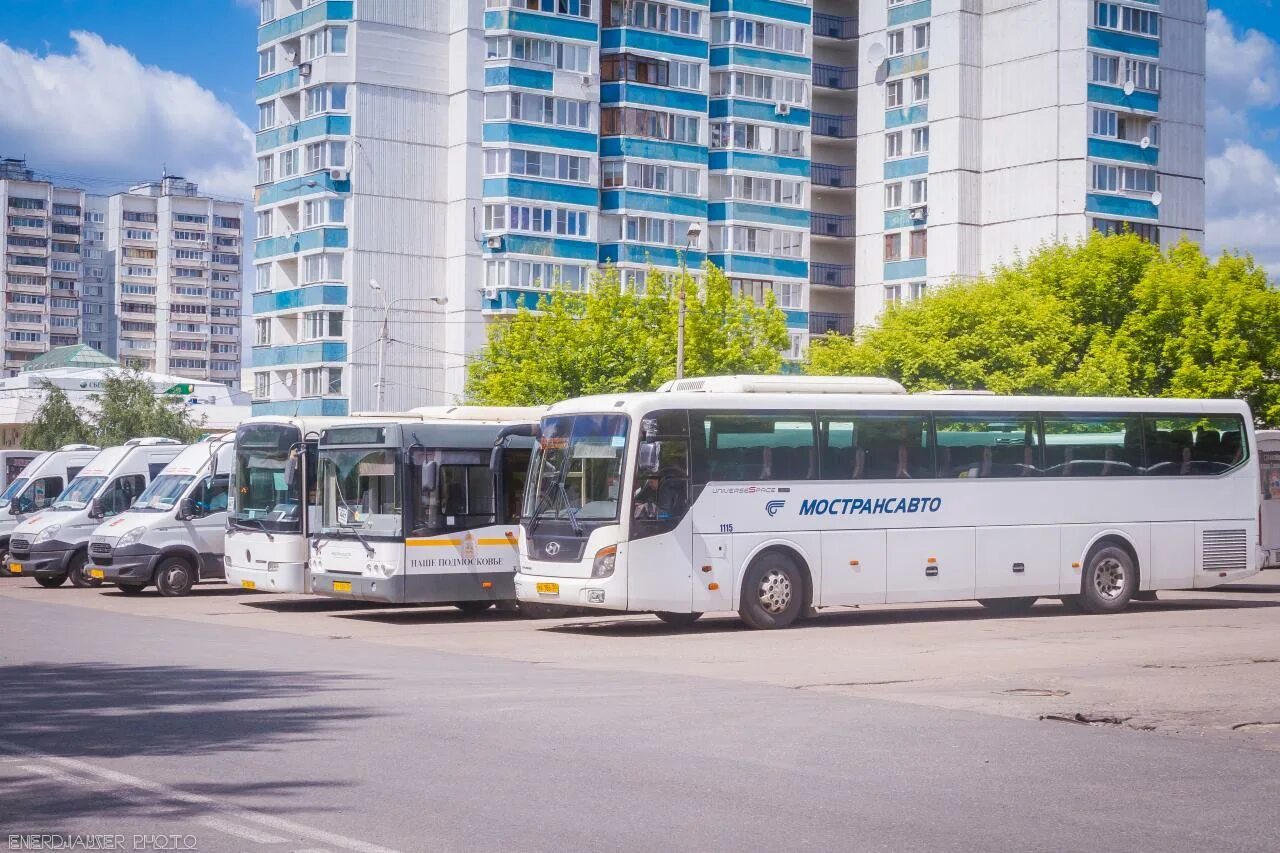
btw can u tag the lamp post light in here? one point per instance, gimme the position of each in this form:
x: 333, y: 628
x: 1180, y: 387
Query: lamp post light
x: 384, y: 336
x: 695, y: 231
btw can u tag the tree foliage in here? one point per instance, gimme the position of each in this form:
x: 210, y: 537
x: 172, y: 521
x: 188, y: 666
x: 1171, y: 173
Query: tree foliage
x: 56, y: 422
x: 128, y: 407
x: 610, y: 339
x: 1108, y: 316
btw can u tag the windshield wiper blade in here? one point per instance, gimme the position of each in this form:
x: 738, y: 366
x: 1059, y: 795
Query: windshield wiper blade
x: 355, y: 531
x: 258, y: 522
x: 574, y: 524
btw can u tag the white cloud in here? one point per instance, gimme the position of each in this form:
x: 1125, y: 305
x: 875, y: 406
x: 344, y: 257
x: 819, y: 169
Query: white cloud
x: 1243, y: 203
x: 1243, y: 74
x: 99, y: 112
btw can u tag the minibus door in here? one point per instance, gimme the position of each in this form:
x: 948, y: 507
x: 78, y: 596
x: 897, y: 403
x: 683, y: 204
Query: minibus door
x: 1269, y: 456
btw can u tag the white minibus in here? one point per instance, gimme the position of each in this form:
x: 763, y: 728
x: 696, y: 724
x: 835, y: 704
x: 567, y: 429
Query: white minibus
x: 172, y: 535
x: 1269, y: 521
x: 12, y: 463
x: 53, y: 544
x: 40, y: 482
x: 774, y: 495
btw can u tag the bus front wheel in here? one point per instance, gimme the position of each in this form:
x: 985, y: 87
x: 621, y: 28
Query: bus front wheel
x: 174, y: 577
x: 130, y: 588
x: 680, y: 620
x: 1108, y: 582
x: 78, y: 571
x: 772, y: 592
x: 53, y: 582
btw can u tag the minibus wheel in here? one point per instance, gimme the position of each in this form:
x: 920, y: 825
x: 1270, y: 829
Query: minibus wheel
x: 78, y: 571
x: 773, y: 592
x: 1008, y: 606
x: 680, y: 620
x: 174, y: 577
x: 131, y: 588
x: 53, y: 582
x: 1109, y: 580
x: 471, y: 608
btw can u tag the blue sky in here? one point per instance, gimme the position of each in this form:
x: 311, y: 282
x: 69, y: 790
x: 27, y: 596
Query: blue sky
x: 112, y: 113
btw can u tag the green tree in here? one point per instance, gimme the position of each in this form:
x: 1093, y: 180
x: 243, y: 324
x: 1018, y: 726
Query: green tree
x: 56, y: 422
x: 609, y: 339
x: 1107, y: 316
x: 129, y: 407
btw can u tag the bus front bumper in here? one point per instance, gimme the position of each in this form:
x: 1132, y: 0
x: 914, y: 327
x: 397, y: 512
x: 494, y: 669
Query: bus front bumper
x: 40, y: 561
x: 605, y: 593
x: 131, y: 564
x: 358, y: 588
x: 291, y: 578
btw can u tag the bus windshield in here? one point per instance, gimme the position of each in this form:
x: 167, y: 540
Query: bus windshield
x: 361, y: 489
x: 163, y: 493
x: 15, y: 488
x: 268, y: 476
x: 576, y: 470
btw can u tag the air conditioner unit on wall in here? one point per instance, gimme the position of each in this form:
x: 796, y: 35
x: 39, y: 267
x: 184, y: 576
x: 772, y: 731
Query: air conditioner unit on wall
x: 304, y: 70
x: 782, y: 109
x: 493, y: 241
x: 919, y: 213
x: 337, y: 175
x: 491, y: 293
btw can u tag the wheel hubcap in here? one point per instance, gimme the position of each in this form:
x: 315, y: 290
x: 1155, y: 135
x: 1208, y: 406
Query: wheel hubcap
x: 175, y: 578
x: 775, y: 591
x: 1109, y: 579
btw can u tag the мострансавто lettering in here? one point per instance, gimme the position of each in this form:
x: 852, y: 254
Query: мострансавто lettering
x: 868, y: 506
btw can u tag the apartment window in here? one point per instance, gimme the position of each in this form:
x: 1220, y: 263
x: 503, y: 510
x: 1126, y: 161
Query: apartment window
x: 1124, y: 179
x: 897, y: 42
x: 331, y: 97
x: 225, y: 295
x: 1114, y: 17
x: 920, y: 191
x: 918, y: 289
x: 892, y: 294
x: 650, y: 176
x: 893, y: 94
x: 289, y: 163
x: 267, y: 115
x: 686, y: 75
x: 224, y: 331
x: 1144, y: 75
x: 138, y: 289
x: 1104, y: 122
x: 266, y: 11
x: 892, y: 196
x: 65, y: 266
x: 317, y: 381
x: 1144, y: 230
x: 188, y: 272
x: 752, y: 188
x: 893, y: 144
x: 266, y: 174
x: 782, y: 37
x: 191, y: 218
x: 651, y: 124
x: 138, y: 234
x: 262, y: 333
x: 920, y: 140
x: 337, y: 40
x: 19, y: 203
x: 920, y: 37
x: 330, y: 211
x: 266, y: 62
x: 321, y: 324
x: 785, y: 295
x: 323, y: 267
x: 919, y: 244
x: 920, y: 88
x: 189, y: 236
x: 264, y: 219
x: 893, y: 247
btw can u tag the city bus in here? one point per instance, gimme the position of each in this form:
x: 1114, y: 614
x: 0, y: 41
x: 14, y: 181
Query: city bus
x: 422, y: 511
x: 273, y: 509
x: 771, y: 496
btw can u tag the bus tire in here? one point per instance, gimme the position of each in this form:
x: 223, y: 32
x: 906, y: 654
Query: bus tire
x: 174, y: 577
x: 471, y: 608
x: 1109, y: 580
x: 53, y: 582
x: 680, y: 620
x: 131, y: 588
x: 773, y: 592
x: 78, y: 571
x: 1008, y: 606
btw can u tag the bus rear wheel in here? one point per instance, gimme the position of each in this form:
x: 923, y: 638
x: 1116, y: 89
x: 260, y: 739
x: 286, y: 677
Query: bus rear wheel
x: 471, y: 608
x: 1108, y: 582
x: 772, y: 592
x: 1008, y: 606
x: 680, y: 620
x: 53, y: 582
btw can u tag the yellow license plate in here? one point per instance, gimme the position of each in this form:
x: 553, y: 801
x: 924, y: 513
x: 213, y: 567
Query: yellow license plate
x: 548, y: 589
x: 248, y: 584
x: 97, y: 573
x: 342, y: 586
x: 16, y: 568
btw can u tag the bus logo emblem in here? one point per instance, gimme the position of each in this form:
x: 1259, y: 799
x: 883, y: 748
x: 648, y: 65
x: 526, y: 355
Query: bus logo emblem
x: 772, y: 507
x: 552, y: 549
x: 468, y: 547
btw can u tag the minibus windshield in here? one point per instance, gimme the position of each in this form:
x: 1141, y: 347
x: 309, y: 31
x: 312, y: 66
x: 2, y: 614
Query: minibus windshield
x: 163, y: 493
x: 15, y: 488
x: 78, y: 494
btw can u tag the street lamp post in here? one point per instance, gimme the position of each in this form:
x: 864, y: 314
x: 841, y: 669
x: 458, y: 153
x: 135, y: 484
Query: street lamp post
x: 695, y: 231
x: 384, y: 336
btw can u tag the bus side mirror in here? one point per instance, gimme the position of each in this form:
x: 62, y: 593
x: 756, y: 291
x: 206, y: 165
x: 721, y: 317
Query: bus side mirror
x: 290, y: 467
x: 186, y: 509
x: 96, y: 510
x: 647, y: 456
x: 430, y: 474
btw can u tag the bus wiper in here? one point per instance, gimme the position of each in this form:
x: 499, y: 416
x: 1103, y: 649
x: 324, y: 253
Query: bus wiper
x: 355, y: 531
x: 574, y: 524
x: 543, y: 504
x: 257, y: 521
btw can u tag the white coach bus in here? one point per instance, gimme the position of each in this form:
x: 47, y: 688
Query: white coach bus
x: 769, y: 495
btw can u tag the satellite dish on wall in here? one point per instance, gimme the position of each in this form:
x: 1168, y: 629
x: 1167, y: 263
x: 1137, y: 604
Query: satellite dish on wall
x: 875, y: 53
x: 1145, y: 143
x: 1128, y: 87
x: 1157, y: 197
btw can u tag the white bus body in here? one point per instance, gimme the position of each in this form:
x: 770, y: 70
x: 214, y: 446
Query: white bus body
x: 52, y: 545
x: 768, y: 503
x: 39, y: 485
x: 1269, y: 460
x: 422, y: 511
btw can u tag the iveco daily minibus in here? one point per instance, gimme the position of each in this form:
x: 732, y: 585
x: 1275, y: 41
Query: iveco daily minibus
x: 39, y: 484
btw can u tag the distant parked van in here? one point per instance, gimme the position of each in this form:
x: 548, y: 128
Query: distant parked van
x: 39, y: 485
x: 53, y: 544
x: 11, y: 464
x: 173, y: 535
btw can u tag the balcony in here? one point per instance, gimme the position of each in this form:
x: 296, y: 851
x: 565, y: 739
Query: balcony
x: 30, y: 251
x: 834, y: 125
x: 831, y: 275
x: 834, y: 77
x: 832, y: 176
x: 821, y: 322
x: 835, y: 27
x: 26, y: 346
x: 830, y: 225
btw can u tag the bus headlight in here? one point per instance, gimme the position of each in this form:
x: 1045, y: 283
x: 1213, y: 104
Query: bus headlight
x: 48, y: 533
x: 604, y: 563
x: 131, y: 538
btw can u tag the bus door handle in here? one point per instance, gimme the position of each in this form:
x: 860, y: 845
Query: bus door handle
x: 1019, y: 568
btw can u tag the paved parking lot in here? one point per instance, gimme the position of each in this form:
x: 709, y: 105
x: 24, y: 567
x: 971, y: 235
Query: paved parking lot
x: 326, y: 725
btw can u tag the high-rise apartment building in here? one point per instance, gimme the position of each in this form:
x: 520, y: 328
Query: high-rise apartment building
x: 443, y: 164
x: 988, y: 129
x: 174, y: 277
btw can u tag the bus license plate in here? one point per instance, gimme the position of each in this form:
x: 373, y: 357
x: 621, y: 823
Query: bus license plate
x: 97, y: 573
x: 342, y: 586
x: 548, y: 589
x: 16, y: 568
x: 248, y: 584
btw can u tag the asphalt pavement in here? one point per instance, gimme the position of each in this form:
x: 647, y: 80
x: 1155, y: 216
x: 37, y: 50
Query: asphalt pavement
x: 129, y: 720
